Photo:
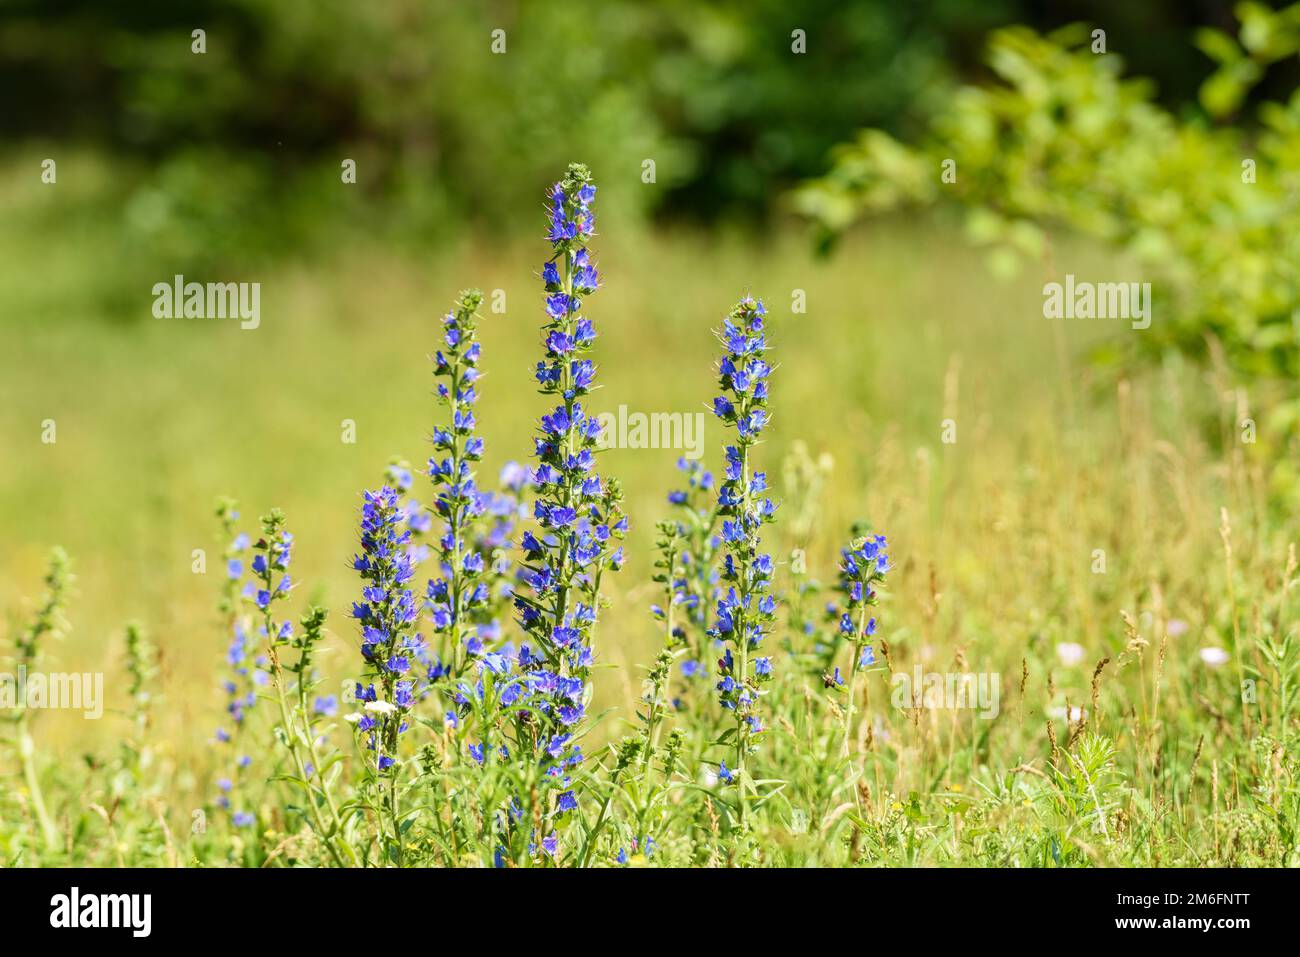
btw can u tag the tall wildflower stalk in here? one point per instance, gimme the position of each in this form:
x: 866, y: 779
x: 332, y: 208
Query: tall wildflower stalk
x: 633, y: 776
x: 273, y: 552
x: 695, y: 578
x: 387, y: 616
x: 580, y: 520
x: 746, y: 611
x: 245, y: 667
x: 461, y: 592
x: 47, y: 623
x: 655, y: 698
x: 462, y: 604
x: 302, y: 735
x: 862, y: 569
x: 141, y: 669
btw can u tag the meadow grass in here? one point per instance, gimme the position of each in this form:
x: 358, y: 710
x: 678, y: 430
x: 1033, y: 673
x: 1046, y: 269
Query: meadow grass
x: 994, y: 537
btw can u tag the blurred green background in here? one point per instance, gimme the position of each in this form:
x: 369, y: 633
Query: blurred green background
x: 449, y: 135
x: 225, y: 166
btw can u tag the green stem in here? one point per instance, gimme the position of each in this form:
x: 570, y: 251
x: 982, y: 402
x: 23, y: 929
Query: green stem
x: 741, y: 632
x: 853, y: 678
x: 290, y: 736
x: 600, y: 822
x: 314, y: 753
x: 27, y: 749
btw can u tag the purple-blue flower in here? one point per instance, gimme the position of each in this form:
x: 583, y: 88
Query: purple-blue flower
x: 745, y: 611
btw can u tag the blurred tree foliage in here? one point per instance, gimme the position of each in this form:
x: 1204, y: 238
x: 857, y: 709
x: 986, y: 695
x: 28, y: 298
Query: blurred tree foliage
x: 444, y: 127
x: 1207, y: 206
x: 238, y: 150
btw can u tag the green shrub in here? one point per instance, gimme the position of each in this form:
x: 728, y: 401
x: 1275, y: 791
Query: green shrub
x: 1061, y: 139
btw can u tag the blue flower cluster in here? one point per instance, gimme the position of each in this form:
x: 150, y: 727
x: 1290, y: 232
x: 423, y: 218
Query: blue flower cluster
x: 241, y: 693
x: 521, y: 684
x: 461, y: 594
x: 418, y: 518
x: 862, y: 565
x: 525, y: 712
x: 246, y: 673
x: 580, y: 522
x: 504, y: 509
x: 696, y: 587
x: 272, y: 560
x: 269, y: 584
x: 387, y: 616
x: 746, y: 609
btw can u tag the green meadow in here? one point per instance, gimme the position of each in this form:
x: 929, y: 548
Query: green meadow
x: 1081, y: 533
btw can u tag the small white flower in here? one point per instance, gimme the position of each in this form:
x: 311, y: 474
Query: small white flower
x: 353, y: 717
x: 1176, y: 627
x: 381, y: 707
x: 1214, y: 657
x: 1070, y: 653
x: 1076, y: 714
